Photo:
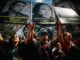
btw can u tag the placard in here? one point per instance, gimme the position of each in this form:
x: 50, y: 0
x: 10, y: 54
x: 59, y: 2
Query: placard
x: 15, y: 12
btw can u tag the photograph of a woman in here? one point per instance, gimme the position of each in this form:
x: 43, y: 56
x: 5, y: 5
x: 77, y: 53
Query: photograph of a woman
x: 42, y: 13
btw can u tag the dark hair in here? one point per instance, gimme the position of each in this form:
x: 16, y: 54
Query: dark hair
x: 10, y: 40
x: 44, y: 33
x: 11, y: 6
x: 36, y: 9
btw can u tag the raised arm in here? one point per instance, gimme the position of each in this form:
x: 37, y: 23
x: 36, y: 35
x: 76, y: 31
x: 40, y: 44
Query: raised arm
x: 59, y: 32
x: 31, y: 34
x: 28, y: 35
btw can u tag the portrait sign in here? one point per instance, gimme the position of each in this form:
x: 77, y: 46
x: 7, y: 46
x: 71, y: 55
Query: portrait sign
x: 15, y: 12
x: 67, y: 15
x: 43, y: 13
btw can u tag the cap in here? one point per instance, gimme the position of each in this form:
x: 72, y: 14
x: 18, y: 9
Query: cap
x: 44, y: 32
x: 68, y: 34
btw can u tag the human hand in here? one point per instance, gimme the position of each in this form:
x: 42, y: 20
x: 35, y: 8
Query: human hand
x: 1, y: 38
x: 58, y: 22
x: 31, y: 23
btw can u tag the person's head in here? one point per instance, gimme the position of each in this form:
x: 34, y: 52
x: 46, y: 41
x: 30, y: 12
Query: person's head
x: 67, y: 37
x: 14, y: 39
x: 17, y: 6
x: 59, y: 47
x: 44, y: 35
x: 42, y: 10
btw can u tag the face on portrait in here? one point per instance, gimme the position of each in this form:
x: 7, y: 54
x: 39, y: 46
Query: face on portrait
x: 19, y: 7
x: 45, y: 11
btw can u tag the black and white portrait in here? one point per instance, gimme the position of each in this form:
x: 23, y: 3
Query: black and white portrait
x: 15, y: 12
x: 43, y: 12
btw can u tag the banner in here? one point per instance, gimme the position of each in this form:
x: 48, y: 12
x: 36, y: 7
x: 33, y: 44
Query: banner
x: 43, y: 13
x: 15, y: 12
x: 67, y: 15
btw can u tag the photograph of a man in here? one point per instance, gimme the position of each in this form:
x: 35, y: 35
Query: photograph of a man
x: 14, y: 15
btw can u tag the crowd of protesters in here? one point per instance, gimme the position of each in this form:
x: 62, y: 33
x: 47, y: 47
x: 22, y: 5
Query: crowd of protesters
x: 33, y: 48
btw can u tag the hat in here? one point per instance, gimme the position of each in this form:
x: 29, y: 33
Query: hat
x: 68, y: 34
x: 44, y: 32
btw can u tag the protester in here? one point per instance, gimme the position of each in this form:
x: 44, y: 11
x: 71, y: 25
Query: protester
x: 58, y: 54
x: 67, y: 44
x: 10, y: 48
x: 29, y: 49
x: 45, y: 50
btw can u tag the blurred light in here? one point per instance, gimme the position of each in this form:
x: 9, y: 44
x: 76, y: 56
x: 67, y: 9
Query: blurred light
x: 38, y: 0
